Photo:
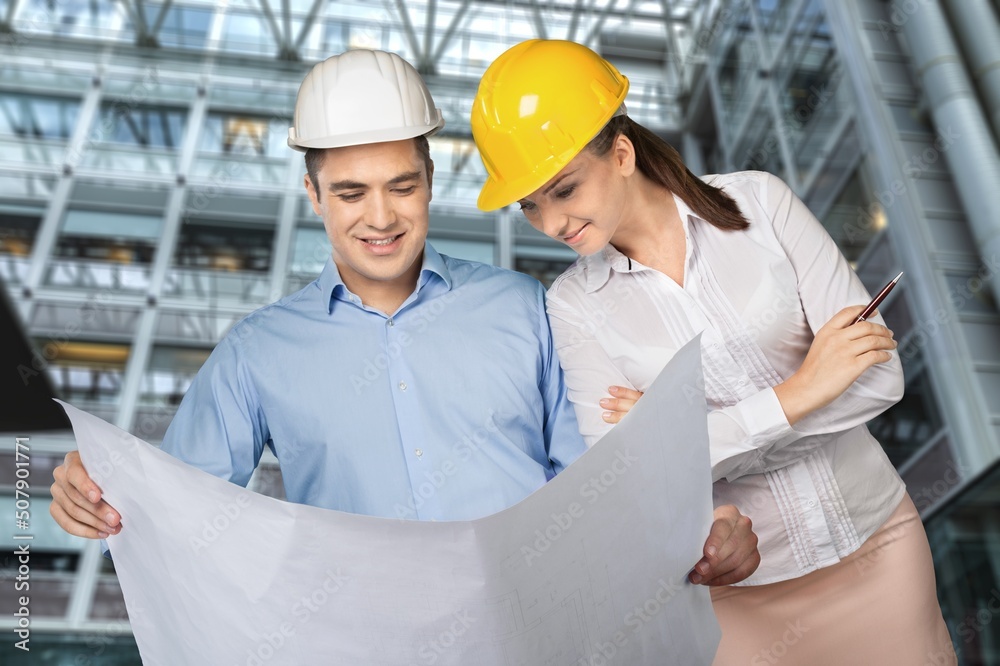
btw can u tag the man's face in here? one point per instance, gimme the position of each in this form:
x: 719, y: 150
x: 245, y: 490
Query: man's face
x: 374, y: 200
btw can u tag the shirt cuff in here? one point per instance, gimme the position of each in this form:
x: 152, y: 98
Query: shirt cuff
x: 760, y: 422
x: 764, y: 418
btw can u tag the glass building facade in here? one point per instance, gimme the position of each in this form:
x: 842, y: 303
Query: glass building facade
x: 148, y: 201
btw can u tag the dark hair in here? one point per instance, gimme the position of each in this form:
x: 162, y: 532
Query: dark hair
x: 661, y: 163
x: 315, y: 157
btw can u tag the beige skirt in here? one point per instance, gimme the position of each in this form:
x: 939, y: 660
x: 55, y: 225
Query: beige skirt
x: 877, y: 606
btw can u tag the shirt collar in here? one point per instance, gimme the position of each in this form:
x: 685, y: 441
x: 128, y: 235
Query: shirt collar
x: 332, y: 285
x: 598, y: 266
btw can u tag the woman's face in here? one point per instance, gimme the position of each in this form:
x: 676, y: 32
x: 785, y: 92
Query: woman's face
x: 583, y: 205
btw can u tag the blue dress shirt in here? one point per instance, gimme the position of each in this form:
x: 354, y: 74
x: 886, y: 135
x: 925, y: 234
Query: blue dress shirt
x: 453, y: 408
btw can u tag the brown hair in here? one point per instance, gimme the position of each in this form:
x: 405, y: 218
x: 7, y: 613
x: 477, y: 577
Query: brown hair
x: 661, y: 163
x: 315, y: 157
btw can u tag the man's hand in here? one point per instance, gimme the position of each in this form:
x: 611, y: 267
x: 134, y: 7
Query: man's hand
x: 731, y: 553
x: 76, y: 502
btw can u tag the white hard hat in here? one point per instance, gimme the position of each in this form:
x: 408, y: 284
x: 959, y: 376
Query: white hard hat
x: 359, y: 97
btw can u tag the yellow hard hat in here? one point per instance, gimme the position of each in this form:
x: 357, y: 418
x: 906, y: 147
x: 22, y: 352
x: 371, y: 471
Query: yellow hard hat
x: 539, y: 104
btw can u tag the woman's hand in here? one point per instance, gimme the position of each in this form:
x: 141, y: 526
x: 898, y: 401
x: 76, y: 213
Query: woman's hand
x: 840, y: 353
x: 618, y: 406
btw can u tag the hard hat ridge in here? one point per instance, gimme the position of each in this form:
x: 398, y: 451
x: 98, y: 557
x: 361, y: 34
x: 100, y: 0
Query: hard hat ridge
x: 362, y: 96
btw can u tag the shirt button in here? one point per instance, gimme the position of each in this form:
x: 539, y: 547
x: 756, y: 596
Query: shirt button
x: 811, y: 503
x: 390, y: 323
x: 402, y: 386
x: 418, y: 452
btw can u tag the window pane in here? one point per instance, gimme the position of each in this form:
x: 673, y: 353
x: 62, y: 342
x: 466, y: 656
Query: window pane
x: 86, y: 371
x: 245, y: 135
x: 310, y: 251
x: 111, y: 225
x: 223, y: 247
x: 37, y: 117
x: 147, y: 127
x: 462, y: 249
x: 184, y: 27
x: 965, y: 540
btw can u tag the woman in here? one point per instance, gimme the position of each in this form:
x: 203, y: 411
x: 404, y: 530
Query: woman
x: 846, y: 575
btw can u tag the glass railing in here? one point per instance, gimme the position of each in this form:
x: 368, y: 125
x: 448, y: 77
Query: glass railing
x: 129, y: 160
x: 94, y: 276
x: 235, y: 286
x: 240, y: 168
x: 32, y: 152
x: 13, y: 270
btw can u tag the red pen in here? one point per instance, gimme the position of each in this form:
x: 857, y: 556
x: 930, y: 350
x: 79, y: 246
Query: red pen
x: 870, y: 308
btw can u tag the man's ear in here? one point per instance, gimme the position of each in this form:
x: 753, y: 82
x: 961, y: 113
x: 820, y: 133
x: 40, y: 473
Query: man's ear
x: 313, y: 195
x: 430, y: 179
x: 624, y: 155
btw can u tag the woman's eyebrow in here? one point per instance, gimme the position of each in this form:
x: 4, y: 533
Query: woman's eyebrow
x: 557, y: 181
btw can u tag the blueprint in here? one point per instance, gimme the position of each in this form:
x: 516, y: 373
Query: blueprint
x: 589, y: 570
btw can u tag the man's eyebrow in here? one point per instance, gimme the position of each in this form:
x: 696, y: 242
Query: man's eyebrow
x: 347, y: 185
x: 558, y: 180
x: 404, y: 177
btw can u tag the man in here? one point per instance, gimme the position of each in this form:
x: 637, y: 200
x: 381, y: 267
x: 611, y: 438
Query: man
x: 400, y: 383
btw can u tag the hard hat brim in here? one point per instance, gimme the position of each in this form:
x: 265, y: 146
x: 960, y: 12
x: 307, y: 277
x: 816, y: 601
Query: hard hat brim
x: 362, y: 138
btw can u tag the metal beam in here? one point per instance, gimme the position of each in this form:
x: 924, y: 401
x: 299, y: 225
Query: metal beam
x: 48, y: 230
x: 411, y: 35
x: 11, y: 9
x: 308, y: 24
x: 595, y: 30
x: 673, y: 50
x: 286, y: 227
x: 85, y: 583
x: 160, y: 18
x: 273, y: 24
x: 565, y: 9
x: 429, y: 17
x: 536, y: 13
x: 505, y: 237
x: 574, y: 19
x: 450, y: 32
x: 286, y: 16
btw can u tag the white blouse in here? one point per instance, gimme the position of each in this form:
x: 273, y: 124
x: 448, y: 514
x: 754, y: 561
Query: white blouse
x: 815, y: 491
